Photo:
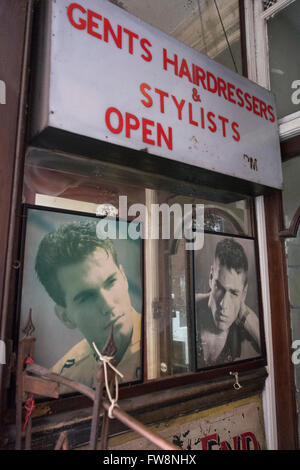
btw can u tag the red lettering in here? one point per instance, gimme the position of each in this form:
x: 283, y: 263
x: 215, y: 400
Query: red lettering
x: 107, y: 29
x: 212, y: 127
x: 263, y: 109
x: 148, y: 103
x: 234, y: 127
x: 163, y: 95
x: 146, y: 131
x: 230, y: 89
x: 144, y: 42
x: 256, y: 108
x: 247, y: 99
x: 184, y: 70
x: 168, y: 140
x: 270, y: 109
x: 128, y: 126
x: 224, y: 121
x: 209, y: 441
x: 179, y: 106
x: 241, y: 101
x: 236, y: 442
x: 202, y: 118
x: 166, y: 61
x: 225, y: 446
x: 92, y: 24
x: 81, y: 23
x: 210, y: 76
x: 198, y: 75
x: 222, y: 87
x: 118, y: 129
x: 131, y: 36
x: 191, y: 121
x: 247, y: 438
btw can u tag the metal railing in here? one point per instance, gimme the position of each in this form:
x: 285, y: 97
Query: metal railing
x: 34, y: 379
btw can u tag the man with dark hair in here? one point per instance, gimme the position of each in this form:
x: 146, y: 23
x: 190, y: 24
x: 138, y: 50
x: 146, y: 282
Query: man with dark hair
x: 82, y: 275
x: 227, y: 329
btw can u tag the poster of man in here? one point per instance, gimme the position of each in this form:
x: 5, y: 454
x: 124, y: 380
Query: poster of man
x: 79, y: 285
x: 226, y: 301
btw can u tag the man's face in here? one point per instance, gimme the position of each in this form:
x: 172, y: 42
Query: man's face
x: 228, y: 291
x: 96, y: 296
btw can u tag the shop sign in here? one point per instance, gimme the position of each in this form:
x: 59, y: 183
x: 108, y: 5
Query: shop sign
x: 235, y: 426
x: 106, y: 75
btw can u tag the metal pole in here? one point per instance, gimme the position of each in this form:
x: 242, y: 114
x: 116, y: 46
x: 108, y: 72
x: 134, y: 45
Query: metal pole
x: 140, y: 428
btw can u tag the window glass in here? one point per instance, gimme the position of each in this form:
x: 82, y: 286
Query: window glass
x: 197, y: 23
x: 291, y: 189
x: 291, y: 198
x: 293, y: 263
x: 284, y: 36
x: 156, y: 273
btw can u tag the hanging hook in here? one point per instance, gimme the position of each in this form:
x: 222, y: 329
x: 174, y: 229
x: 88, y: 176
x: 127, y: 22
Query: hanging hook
x: 236, y: 385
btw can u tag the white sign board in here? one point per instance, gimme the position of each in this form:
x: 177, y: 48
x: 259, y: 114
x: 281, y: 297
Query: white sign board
x: 235, y: 426
x: 111, y: 77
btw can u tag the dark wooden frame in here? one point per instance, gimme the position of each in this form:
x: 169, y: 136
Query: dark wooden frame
x: 285, y: 388
x: 262, y: 356
x: 15, y: 34
x: 281, y: 326
x: 291, y: 231
x: 73, y: 402
x: 243, y: 38
x: 26, y: 208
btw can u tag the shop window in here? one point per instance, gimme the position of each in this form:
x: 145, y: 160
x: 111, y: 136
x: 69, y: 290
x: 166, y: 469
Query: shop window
x: 291, y: 197
x: 162, y: 280
x: 197, y: 23
x: 283, y: 35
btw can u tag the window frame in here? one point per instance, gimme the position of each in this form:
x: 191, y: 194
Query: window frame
x: 75, y: 401
x: 256, y: 19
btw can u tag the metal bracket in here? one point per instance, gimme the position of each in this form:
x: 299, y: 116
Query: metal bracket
x: 2, y: 352
x: 156, y: 309
x: 236, y: 384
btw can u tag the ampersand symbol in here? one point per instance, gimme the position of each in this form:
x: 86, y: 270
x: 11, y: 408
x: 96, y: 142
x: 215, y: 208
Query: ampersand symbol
x: 196, y: 96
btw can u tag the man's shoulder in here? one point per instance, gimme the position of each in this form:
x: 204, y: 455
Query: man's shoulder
x: 77, y: 364
x: 78, y: 354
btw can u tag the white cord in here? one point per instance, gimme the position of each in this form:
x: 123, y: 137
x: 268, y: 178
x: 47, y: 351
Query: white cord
x: 106, y: 362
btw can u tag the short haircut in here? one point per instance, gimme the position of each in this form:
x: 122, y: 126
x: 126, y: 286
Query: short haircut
x: 70, y: 243
x: 231, y: 254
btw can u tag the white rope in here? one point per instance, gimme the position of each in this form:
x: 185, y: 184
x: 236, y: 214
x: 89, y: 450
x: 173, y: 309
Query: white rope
x: 106, y: 362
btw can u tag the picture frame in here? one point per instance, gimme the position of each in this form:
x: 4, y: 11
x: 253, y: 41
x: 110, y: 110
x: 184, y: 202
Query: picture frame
x: 96, y: 285
x: 227, y: 304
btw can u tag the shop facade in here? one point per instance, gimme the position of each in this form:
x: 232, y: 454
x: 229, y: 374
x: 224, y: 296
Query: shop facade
x: 118, y: 126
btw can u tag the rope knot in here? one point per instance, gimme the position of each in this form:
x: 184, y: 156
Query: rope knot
x: 107, y: 362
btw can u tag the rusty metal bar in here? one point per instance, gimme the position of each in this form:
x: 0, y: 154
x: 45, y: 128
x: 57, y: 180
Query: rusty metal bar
x: 105, y: 419
x: 130, y: 422
x: 140, y: 428
x: 104, y: 431
x: 97, y: 407
x: 62, y: 442
x: 43, y: 372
